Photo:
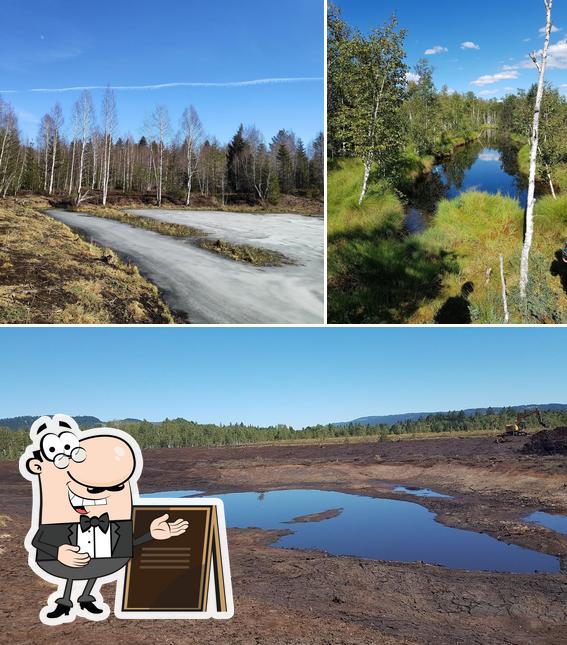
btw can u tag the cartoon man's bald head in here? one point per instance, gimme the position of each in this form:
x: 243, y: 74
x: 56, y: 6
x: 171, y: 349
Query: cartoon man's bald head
x: 81, y: 473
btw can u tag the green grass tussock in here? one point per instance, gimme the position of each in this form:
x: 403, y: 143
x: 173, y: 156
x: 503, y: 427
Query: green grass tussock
x: 376, y: 273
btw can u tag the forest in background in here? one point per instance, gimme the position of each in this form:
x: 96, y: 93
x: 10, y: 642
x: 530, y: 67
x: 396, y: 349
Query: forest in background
x: 388, y: 126
x: 180, y: 433
x: 83, y: 158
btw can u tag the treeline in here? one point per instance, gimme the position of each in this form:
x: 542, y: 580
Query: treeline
x: 180, y: 433
x: 172, y: 161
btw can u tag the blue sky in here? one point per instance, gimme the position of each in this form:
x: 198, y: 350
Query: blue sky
x: 480, y: 46
x: 64, y: 43
x: 268, y: 376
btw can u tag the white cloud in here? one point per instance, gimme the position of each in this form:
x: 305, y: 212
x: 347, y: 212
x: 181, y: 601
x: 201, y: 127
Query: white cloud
x: 438, y: 49
x: 410, y: 76
x: 488, y: 92
x: 469, y: 45
x: 556, y: 57
x: 526, y: 40
x: 490, y: 79
x: 489, y: 156
x: 554, y: 30
x: 161, y: 86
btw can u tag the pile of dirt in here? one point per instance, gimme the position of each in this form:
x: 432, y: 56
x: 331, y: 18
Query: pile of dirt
x: 548, y: 442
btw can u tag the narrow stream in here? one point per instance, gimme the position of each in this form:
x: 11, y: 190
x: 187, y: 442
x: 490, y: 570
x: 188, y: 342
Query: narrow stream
x: 489, y: 165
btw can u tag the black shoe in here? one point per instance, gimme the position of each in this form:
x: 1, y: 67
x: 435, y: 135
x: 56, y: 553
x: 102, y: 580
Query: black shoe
x: 90, y: 607
x: 60, y: 610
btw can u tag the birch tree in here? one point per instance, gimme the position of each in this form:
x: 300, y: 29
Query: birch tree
x: 109, y: 124
x: 84, y: 113
x: 193, y: 133
x: 57, y: 124
x: 8, y: 143
x: 540, y: 62
x: 160, y: 128
x: 372, y: 110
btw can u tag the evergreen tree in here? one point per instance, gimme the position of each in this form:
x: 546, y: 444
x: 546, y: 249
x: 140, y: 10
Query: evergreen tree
x: 301, y: 167
x: 285, y: 168
x: 273, y: 189
x: 234, y: 155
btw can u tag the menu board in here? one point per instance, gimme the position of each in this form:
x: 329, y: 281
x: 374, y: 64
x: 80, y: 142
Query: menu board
x: 184, y: 576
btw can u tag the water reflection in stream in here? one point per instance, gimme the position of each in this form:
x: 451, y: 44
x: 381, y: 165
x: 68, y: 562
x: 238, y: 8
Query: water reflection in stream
x: 489, y: 165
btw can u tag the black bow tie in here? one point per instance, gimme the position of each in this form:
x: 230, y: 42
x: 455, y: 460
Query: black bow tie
x: 102, y: 522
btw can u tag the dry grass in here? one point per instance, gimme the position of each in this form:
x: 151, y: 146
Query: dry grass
x: 147, y: 223
x: 245, y: 253
x: 48, y: 274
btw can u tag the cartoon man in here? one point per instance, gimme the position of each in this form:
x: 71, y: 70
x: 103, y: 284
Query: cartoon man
x: 84, y: 483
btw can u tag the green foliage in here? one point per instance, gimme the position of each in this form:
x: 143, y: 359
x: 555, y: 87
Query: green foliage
x: 274, y: 193
x: 285, y: 168
x: 301, y: 167
x: 366, y: 89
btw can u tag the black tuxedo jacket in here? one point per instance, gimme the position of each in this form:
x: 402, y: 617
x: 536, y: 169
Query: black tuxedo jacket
x: 50, y: 537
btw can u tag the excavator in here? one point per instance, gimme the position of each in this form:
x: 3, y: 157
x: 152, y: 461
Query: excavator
x: 518, y: 429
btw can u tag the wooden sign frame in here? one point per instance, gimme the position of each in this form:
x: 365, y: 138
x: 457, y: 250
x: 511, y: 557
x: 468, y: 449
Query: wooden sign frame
x: 213, y: 568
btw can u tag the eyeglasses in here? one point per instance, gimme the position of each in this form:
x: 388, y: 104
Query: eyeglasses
x: 78, y: 455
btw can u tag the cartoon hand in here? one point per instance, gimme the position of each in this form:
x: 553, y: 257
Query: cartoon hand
x: 70, y: 556
x: 160, y: 529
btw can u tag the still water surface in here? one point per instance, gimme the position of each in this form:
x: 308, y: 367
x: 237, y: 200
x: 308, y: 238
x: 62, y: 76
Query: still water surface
x: 377, y: 529
x: 489, y: 165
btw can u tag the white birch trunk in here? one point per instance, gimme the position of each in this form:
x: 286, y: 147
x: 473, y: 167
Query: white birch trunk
x: 504, y: 294
x: 53, y: 162
x: 524, y: 265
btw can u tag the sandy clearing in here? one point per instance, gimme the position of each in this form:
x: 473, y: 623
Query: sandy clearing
x: 211, y: 289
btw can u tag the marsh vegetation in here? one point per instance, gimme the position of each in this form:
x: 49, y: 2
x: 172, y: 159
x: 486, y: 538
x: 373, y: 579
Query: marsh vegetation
x: 429, y: 192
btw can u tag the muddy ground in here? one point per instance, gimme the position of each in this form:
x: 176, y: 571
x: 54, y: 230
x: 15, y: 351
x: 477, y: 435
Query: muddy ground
x: 289, y: 596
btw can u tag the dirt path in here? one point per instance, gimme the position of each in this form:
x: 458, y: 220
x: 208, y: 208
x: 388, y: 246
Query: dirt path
x: 211, y: 289
x: 289, y: 596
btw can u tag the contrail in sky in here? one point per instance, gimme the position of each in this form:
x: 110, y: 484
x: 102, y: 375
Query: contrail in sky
x: 161, y: 86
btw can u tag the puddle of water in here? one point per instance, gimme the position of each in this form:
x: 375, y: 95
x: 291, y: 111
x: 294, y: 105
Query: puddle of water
x: 420, y: 492
x: 551, y: 521
x: 174, y: 493
x: 377, y: 529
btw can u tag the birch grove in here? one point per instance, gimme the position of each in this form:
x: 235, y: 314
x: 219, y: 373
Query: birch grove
x: 84, y: 159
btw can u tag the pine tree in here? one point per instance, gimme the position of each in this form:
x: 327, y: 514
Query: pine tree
x: 301, y: 167
x: 234, y: 153
x: 273, y: 189
x: 285, y: 169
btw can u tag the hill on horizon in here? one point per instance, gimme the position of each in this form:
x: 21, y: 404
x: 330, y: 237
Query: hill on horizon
x: 85, y: 422
x: 390, y: 419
